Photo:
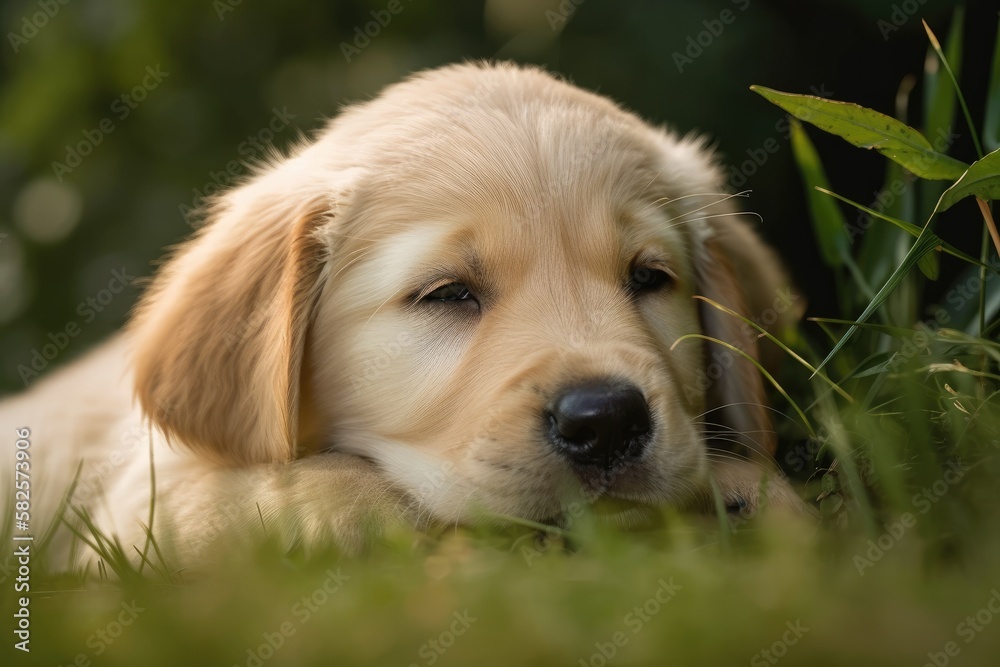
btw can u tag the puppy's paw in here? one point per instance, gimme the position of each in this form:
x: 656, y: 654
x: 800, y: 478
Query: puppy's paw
x: 325, y: 501
x: 338, y: 500
x: 747, y: 487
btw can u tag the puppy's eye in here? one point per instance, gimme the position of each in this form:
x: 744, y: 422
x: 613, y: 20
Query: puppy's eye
x: 452, y: 292
x: 646, y: 279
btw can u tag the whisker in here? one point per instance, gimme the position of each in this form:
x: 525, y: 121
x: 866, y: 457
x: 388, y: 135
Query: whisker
x: 700, y: 208
x: 725, y: 195
x: 714, y: 215
x: 750, y: 403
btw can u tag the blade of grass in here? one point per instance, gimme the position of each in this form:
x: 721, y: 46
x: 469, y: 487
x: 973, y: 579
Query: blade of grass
x: 261, y: 515
x: 146, y: 561
x: 776, y: 341
x: 913, y: 230
x: 152, y: 502
x: 896, y: 199
x: 109, y: 549
x: 61, y: 510
x: 763, y: 371
x: 939, y: 100
x: 962, y: 337
x: 923, y: 245
x: 939, y: 94
x: 881, y: 328
x: 991, y: 117
x: 956, y: 367
x: 958, y: 90
x: 527, y: 523
x: 165, y: 568
x: 841, y: 448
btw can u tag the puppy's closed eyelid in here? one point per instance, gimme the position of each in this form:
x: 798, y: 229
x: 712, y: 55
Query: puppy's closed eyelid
x: 430, y: 286
x: 421, y: 296
x: 655, y: 262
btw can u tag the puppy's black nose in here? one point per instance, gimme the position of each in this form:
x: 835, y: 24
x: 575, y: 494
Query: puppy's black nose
x: 599, y: 422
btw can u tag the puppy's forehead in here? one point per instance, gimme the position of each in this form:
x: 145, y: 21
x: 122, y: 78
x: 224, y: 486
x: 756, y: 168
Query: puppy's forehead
x: 516, y: 168
x: 534, y: 180
x: 524, y: 162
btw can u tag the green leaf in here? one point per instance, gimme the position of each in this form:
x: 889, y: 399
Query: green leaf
x: 991, y: 119
x: 923, y: 245
x: 981, y: 180
x: 828, y: 221
x: 929, y: 265
x: 866, y: 128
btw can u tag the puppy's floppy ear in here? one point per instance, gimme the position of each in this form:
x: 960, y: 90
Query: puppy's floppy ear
x: 218, y: 338
x: 735, y: 268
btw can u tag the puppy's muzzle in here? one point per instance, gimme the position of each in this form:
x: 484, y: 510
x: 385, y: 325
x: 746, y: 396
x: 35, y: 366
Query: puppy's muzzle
x: 599, y: 423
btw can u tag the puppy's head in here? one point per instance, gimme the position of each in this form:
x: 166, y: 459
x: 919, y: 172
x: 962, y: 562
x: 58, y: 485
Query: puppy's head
x: 475, y: 281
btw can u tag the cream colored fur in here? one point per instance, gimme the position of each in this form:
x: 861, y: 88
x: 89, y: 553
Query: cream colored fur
x: 280, y: 360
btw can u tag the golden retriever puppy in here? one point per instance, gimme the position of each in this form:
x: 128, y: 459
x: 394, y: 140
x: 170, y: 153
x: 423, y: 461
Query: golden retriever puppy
x: 461, y: 300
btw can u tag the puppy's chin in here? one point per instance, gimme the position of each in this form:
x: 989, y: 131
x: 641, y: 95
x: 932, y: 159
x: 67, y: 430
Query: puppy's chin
x: 465, y: 491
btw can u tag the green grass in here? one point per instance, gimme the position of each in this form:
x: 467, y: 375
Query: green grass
x: 894, y: 439
x: 546, y: 605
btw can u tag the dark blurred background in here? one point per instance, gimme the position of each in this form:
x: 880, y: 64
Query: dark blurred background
x: 93, y: 183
